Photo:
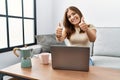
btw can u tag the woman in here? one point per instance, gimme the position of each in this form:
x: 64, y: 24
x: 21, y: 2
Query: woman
x: 75, y: 29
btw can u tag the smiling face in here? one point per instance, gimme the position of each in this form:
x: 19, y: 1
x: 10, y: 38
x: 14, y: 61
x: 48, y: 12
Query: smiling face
x: 73, y: 17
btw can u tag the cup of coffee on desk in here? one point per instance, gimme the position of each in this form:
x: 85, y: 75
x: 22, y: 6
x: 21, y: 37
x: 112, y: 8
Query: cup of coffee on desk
x: 45, y: 58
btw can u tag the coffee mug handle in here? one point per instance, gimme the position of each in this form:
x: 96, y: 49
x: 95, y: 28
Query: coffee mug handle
x: 14, y: 51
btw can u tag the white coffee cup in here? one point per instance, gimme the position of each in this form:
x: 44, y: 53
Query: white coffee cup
x: 45, y: 58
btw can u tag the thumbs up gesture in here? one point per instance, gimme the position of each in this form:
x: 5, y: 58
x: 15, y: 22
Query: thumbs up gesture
x: 59, y: 31
x: 83, y: 25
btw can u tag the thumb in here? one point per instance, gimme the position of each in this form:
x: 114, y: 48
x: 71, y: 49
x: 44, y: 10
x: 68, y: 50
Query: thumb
x: 60, y: 24
x: 82, y: 20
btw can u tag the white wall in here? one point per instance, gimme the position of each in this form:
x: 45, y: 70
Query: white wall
x: 7, y: 59
x: 44, y: 16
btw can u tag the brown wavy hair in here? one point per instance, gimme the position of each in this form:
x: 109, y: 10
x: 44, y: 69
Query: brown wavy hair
x: 70, y: 29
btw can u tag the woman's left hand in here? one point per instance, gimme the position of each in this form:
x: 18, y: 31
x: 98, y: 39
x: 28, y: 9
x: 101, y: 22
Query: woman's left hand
x: 83, y: 25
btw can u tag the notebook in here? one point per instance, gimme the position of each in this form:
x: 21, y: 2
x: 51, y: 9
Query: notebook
x: 70, y: 57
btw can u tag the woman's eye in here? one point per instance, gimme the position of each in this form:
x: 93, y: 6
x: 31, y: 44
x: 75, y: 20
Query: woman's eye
x: 69, y: 16
x: 73, y: 13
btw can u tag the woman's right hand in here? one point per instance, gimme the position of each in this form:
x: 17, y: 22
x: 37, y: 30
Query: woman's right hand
x: 59, y: 31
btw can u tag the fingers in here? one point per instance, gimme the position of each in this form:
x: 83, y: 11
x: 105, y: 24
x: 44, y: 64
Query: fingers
x: 59, y: 30
x: 83, y: 25
x: 82, y: 21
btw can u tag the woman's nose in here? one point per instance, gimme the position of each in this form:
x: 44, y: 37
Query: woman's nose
x: 72, y: 17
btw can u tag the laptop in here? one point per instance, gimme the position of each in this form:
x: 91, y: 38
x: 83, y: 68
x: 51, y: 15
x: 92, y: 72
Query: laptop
x: 70, y: 57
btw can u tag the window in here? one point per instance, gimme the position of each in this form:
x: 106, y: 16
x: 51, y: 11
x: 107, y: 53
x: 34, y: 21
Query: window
x: 17, y: 23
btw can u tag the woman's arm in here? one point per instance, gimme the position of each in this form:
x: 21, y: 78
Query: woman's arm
x: 91, y: 34
x: 89, y: 29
